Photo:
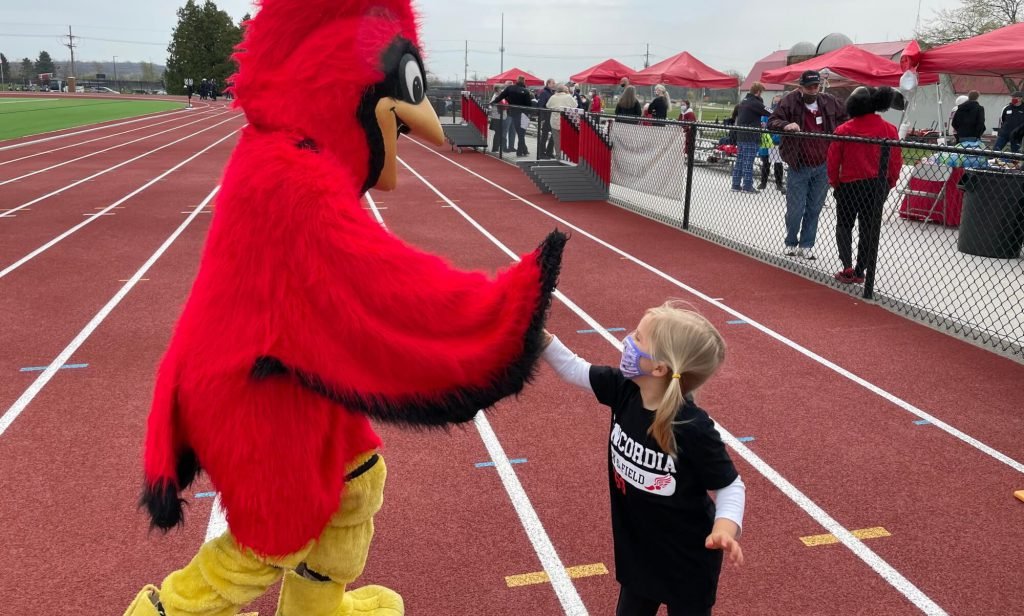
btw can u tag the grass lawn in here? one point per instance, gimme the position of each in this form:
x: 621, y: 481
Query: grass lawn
x: 30, y: 116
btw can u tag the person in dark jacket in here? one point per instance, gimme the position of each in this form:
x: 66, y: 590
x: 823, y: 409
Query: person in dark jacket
x: 518, y: 96
x: 860, y: 182
x: 805, y: 110
x: 969, y: 119
x: 545, y: 142
x: 751, y: 109
x: 629, y: 105
x: 1010, y: 120
x: 658, y: 108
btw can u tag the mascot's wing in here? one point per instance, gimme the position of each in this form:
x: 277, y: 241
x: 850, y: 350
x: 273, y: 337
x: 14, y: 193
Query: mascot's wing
x: 402, y: 336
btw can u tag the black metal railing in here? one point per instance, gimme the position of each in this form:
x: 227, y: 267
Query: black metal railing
x: 931, y: 231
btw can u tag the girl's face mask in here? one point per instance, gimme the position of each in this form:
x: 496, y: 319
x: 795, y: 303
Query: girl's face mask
x: 630, y: 362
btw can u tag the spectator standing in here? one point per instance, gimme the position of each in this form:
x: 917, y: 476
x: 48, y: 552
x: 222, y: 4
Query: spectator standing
x: 561, y: 100
x: 628, y: 104
x: 518, y: 96
x: 544, y: 121
x: 806, y: 110
x: 969, y: 120
x: 686, y: 113
x: 751, y: 110
x: 861, y: 175
x: 658, y: 108
x: 509, y: 131
x: 595, y: 102
x: 495, y: 121
x: 1010, y: 120
x: 771, y: 159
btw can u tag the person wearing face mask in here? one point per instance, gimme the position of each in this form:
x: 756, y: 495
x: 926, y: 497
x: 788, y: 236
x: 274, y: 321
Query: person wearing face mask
x: 686, y: 114
x: 805, y: 110
x: 1011, y: 119
x: 665, y: 462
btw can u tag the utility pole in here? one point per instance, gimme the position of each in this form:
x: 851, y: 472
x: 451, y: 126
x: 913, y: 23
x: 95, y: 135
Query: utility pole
x: 647, y: 56
x: 71, y: 45
x: 116, y: 87
x: 502, y: 48
x: 465, y: 77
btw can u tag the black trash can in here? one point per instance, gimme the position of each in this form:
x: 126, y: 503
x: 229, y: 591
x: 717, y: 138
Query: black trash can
x: 992, y: 221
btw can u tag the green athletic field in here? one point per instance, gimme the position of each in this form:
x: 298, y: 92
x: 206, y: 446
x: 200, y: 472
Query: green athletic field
x: 29, y: 116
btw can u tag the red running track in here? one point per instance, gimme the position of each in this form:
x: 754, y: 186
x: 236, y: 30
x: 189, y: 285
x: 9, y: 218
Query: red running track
x: 448, y: 534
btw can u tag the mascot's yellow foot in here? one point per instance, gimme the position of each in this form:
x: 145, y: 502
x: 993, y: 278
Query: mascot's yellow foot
x: 143, y: 605
x: 372, y: 601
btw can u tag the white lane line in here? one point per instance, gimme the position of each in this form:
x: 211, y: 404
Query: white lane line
x: 875, y: 389
x: 97, y: 152
x: 81, y: 143
x: 143, y: 118
x: 108, y: 170
x: 44, y: 377
x: 106, y: 211
x: 855, y: 545
x: 542, y: 545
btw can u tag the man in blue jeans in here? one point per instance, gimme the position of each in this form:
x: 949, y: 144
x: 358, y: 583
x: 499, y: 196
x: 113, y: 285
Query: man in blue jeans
x: 751, y: 110
x: 805, y: 110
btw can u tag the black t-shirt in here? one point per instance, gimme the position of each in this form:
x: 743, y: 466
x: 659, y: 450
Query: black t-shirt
x: 661, y: 511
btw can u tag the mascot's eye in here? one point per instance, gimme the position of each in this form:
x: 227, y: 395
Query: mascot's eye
x: 411, y: 78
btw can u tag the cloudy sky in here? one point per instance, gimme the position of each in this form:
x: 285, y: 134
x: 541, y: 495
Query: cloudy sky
x: 547, y: 37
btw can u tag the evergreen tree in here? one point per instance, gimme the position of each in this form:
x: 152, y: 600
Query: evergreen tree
x: 5, y: 68
x: 27, y: 67
x: 201, y: 46
x: 44, y: 64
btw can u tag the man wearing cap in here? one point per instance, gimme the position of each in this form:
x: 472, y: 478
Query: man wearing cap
x: 1011, y: 119
x: 805, y: 110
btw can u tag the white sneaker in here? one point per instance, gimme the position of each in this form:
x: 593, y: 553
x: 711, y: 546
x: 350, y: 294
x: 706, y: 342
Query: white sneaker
x: 808, y: 253
x: 791, y: 251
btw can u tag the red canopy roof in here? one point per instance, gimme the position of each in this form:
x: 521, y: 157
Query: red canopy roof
x: 996, y: 53
x: 684, y: 70
x: 848, y: 64
x: 608, y: 72
x: 511, y: 75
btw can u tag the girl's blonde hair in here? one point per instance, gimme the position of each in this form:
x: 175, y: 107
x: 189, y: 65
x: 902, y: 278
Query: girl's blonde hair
x: 692, y: 348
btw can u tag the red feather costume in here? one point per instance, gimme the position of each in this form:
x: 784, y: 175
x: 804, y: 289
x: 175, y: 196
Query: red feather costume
x: 307, y: 318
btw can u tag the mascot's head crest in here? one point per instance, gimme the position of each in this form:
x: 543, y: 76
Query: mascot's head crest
x: 347, y: 76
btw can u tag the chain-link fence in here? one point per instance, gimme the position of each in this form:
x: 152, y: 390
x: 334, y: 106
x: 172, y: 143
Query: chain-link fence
x: 931, y: 231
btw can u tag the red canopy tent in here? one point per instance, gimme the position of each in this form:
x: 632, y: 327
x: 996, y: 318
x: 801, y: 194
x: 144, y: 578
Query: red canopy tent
x: 609, y: 72
x: 511, y: 75
x: 996, y: 53
x: 850, y: 64
x: 684, y: 70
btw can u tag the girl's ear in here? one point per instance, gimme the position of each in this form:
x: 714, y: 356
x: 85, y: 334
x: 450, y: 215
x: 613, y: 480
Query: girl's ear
x: 660, y: 370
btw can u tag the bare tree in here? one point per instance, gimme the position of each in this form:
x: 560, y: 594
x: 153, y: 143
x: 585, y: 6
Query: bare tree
x: 971, y: 18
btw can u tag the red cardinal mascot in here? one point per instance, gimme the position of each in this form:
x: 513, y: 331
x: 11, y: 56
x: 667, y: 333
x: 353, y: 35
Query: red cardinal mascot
x: 307, y: 319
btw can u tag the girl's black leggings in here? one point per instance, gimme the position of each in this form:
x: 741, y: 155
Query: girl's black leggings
x: 632, y: 604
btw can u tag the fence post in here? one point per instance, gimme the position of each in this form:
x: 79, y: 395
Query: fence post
x: 690, y: 133
x: 501, y: 131
x: 883, y: 178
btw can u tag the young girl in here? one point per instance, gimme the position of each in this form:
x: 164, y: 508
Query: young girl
x: 664, y: 457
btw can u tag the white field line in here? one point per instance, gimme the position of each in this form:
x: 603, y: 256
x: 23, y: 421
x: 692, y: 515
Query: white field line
x: 62, y: 358
x: 855, y: 545
x: 109, y: 169
x: 875, y: 389
x: 81, y: 143
x: 99, y: 213
x: 113, y: 147
x: 142, y: 118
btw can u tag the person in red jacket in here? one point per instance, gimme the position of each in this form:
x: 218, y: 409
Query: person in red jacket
x: 861, y: 175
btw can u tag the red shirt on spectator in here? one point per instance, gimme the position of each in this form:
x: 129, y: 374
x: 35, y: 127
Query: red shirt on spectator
x: 849, y: 161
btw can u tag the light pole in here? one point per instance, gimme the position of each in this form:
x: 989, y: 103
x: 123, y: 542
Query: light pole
x: 116, y: 87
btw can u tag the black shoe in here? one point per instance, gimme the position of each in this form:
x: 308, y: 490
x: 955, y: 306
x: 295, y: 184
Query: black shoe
x: 762, y: 186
